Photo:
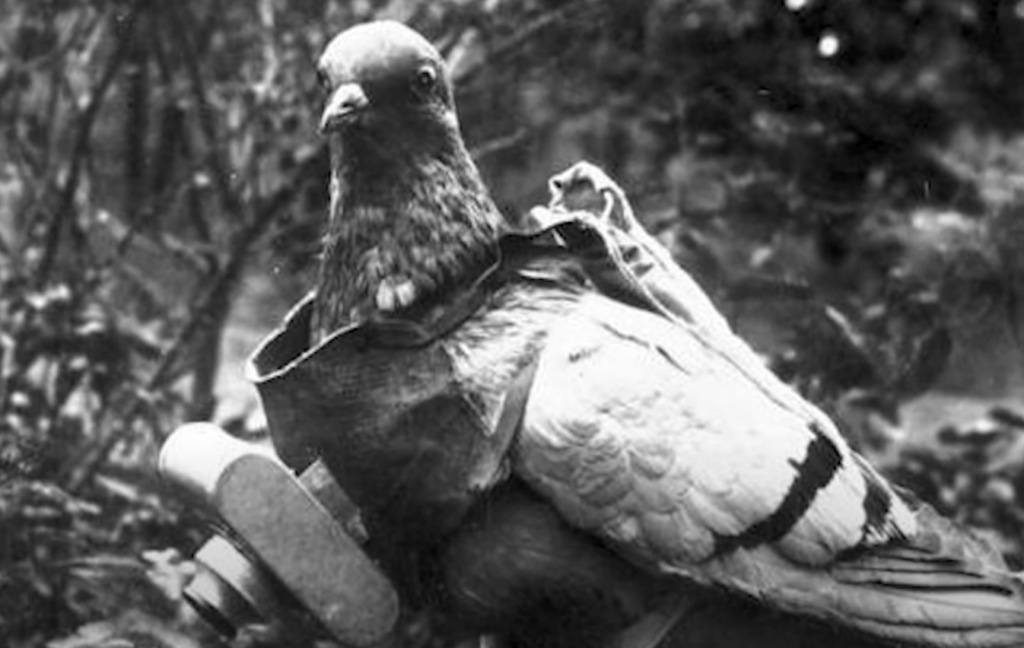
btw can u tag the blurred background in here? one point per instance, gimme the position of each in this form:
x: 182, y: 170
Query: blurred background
x: 845, y: 178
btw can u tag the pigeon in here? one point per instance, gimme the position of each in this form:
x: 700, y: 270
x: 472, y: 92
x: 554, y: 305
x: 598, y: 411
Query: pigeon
x: 641, y: 423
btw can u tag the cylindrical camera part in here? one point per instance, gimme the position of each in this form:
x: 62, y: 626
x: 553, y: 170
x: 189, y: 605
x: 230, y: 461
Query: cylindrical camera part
x: 229, y: 590
x: 286, y: 530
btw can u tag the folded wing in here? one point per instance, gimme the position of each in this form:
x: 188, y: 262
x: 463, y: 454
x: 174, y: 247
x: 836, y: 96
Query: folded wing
x: 691, y: 458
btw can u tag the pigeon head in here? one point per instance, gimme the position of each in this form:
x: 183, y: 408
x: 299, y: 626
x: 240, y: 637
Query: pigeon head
x: 410, y: 217
x: 385, y: 82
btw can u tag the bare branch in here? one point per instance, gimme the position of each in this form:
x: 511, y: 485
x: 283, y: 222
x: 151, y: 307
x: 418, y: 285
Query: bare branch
x: 498, y: 144
x: 573, y: 11
x: 229, y: 198
x: 80, y: 149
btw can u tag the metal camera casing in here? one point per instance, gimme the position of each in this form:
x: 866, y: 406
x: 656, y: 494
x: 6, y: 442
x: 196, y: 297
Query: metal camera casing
x: 291, y: 540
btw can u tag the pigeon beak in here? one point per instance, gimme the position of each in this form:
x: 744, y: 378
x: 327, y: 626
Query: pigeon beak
x: 344, y: 104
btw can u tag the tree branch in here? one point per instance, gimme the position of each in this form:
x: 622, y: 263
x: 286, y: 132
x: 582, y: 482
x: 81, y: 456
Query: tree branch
x: 79, y: 151
x: 511, y: 45
x: 228, y: 197
x: 499, y: 144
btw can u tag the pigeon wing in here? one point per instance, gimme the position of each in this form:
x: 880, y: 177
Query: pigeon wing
x: 691, y: 458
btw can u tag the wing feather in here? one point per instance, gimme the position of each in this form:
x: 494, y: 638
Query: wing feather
x: 661, y: 434
x: 690, y: 459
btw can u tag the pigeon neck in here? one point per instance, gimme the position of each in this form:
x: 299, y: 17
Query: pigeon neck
x: 401, y: 228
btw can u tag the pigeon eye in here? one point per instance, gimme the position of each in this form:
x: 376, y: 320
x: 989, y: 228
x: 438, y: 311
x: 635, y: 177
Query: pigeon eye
x: 425, y: 78
x: 323, y: 80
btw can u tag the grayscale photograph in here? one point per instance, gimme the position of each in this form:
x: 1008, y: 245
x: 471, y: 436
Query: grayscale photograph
x: 494, y: 324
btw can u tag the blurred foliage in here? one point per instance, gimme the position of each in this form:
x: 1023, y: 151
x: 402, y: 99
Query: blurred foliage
x: 846, y: 179
x: 975, y: 474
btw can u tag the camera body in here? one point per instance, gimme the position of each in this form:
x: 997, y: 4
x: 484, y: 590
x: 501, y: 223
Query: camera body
x: 289, y: 545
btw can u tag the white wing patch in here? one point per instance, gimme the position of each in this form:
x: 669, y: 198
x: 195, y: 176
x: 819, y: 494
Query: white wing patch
x: 636, y: 431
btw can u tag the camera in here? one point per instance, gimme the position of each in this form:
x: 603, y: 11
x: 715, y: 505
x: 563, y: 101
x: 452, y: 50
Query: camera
x: 288, y: 544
